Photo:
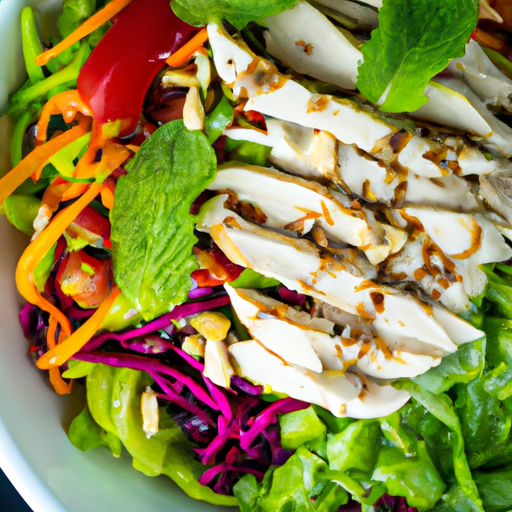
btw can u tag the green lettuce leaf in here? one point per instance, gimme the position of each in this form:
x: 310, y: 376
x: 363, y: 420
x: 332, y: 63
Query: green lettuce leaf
x: 499, y: 340
x: 237, y: 12
x: 152, y: 228
x: 414, y: 42
x: 356, y: 448
x: 464, y: 365
x: 496, y: 489
x: 414, y: 478
x: 441, y: 407
x: 485, y: 420
x: 299, y: 427
x: 86, y: 434
x: 286, y: 488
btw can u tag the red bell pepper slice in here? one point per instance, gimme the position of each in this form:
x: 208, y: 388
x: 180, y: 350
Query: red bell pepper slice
x: 116, y: 77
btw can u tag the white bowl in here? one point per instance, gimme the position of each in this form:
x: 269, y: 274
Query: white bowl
x: 49, y: 472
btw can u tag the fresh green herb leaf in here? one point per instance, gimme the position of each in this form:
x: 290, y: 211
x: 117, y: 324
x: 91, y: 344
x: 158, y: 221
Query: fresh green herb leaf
x: 152, y: 229
x: 237, y: 12
x: 251, y: 279
x: 414, y: 42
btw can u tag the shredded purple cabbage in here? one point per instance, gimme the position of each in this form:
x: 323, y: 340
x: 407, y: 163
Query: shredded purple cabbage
x: 385, y: 503
x: 200, y: 292
x: 246, y: 386
x: 162, y: 322
x: 31, y: 320
x: 268, y: 416
x: 393, y: 503
x: 291, y: 297
x: 147, y: 365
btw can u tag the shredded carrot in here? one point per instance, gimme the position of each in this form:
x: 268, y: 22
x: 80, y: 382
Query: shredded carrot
x: 67, y: 103
x: 133, y: 147
x: 107, y: 198
x: 59, y: 384
x: 35, y: 161
x: 179, y: 57
x: 70, y: 346
x: 86, y: 28
x: 40, y: 246
x: 53, y: 195
x: 114, y: 155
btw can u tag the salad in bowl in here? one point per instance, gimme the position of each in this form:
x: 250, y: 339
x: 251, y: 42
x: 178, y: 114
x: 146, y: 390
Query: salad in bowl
x: 272, y: 241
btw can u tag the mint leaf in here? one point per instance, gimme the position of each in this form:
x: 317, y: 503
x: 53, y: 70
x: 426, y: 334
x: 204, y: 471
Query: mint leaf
x: 152, y: 229
x: 237, y: 12
x: 414, y: 41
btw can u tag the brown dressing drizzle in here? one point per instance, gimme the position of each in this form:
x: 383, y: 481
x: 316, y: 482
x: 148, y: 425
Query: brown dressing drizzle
x: 378, y: 301
x: 327, y: 214
x: 476, y: 241
x: 307, y: 48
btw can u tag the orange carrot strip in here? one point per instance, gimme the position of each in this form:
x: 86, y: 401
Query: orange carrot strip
x: 40, y: 246
x: 107, y: 198
x: 67, y: 103
x: 59, y: 384
x: 114, y: 155
x: 36, y: 160
x: 86, y: 28
x: 70, y: 346
x: 179, y: 57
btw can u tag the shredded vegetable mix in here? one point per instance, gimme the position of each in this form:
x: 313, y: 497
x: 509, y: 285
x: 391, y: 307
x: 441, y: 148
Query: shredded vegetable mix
x: 278, y: 236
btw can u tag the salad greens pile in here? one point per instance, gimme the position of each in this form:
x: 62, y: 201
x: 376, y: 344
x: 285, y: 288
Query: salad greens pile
x: 448, y: 449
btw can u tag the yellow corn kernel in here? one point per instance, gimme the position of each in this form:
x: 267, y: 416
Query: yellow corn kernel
x: 194, y: 345
x: 149, y: 411
x: 213, y: 326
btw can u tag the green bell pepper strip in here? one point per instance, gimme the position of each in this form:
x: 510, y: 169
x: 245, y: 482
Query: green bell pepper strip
x: 23, y: 122
x: 32, y: 46
x: 68, y: 74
